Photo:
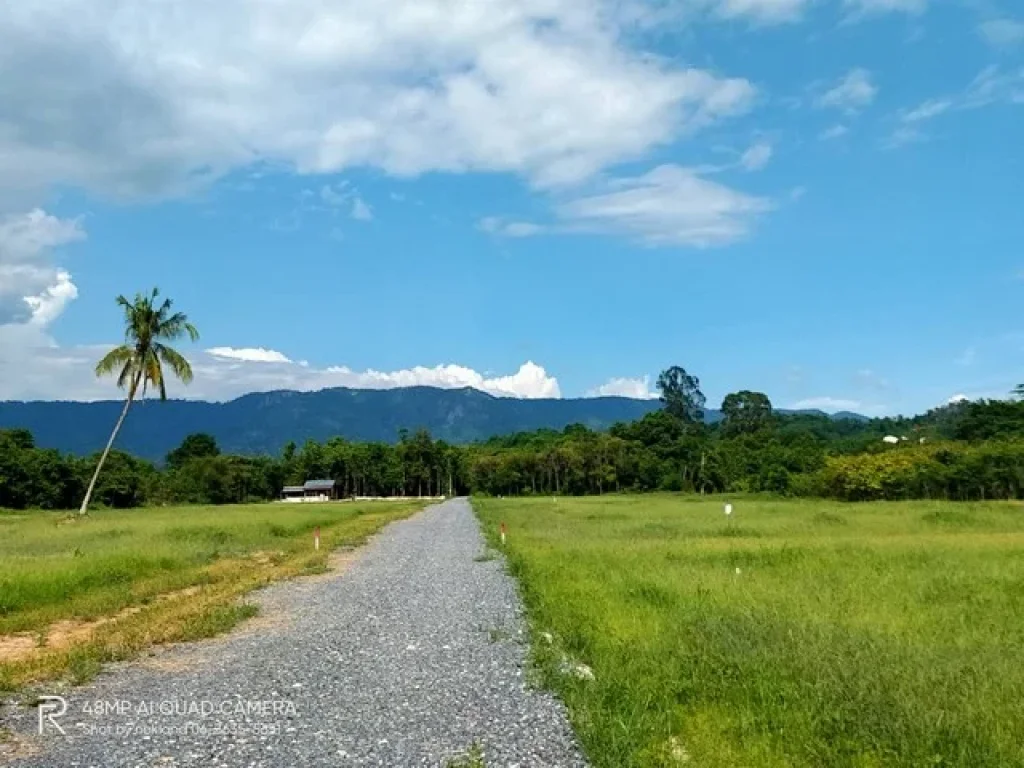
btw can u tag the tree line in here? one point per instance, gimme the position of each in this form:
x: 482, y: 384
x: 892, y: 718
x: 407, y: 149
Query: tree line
x: 963, y: 451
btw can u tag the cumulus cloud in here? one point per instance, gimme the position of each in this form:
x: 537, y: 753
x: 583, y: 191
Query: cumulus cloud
x: 361, y: 211
x: 639, y: 388
x: 142, y: 99
x: 669, y: 205
x: 530, y: 381
x: 958, y: 398
x: 757, y: 156
x: 852, y: 93
x: 33, y: 367
x: 333, y: 195
x: 32, y: 287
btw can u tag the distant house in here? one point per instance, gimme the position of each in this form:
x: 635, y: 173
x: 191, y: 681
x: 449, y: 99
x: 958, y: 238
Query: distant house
x: 311, y: 490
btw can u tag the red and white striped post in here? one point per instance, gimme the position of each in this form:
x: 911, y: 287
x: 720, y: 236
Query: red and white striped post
x: 316, y: 538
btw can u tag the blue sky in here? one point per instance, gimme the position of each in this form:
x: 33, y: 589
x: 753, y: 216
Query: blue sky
x: 818, y: 199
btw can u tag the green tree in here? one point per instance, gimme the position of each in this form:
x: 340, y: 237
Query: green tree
x: 681, y: 395
x: 198, y: 445
x: 139, y: 361
x: 746, y: 411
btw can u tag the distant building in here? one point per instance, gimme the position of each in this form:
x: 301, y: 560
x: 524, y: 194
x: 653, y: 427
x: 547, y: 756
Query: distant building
x: 311, y: 490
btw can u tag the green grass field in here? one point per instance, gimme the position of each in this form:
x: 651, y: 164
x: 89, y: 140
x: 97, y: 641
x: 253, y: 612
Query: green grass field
x: 799, y: 633
x: 166, y: 574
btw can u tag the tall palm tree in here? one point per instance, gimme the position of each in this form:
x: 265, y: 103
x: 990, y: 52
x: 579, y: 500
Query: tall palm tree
x: 140, y: 360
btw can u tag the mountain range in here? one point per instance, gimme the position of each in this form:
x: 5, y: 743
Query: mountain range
x: 264, y: 422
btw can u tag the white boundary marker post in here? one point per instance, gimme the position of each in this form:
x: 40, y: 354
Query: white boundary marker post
x: 316, y: 538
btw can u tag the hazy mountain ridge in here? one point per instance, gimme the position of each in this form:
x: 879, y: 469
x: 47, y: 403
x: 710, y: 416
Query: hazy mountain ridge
x: 263, y: 422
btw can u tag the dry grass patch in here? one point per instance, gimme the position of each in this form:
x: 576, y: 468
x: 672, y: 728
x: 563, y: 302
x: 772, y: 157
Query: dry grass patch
x: 79, y: 594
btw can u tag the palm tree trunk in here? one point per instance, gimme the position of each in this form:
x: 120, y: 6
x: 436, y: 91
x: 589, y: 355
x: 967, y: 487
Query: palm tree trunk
x: 106, y: 451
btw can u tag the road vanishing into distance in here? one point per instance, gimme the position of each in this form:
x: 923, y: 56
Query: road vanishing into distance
x: 412, y: 654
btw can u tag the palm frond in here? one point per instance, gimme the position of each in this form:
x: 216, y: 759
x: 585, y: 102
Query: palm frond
x: 115, y: 358
x: 163, y: 311
x: 154, y: 374
x: 127, y: 373
x: 176, y: 326
x: 175, y: 361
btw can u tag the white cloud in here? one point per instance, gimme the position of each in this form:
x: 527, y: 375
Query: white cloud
x: 639, y: 388
x: 669, y: 205
x: 249, y: 354
x: 496, y: 225
x: 926, y: 110
x: 870, y: 7
x: 551, y: 90
x: 48, y: 305
x: 522, y: 229
x: 757, y: 156
x: 902, y: 136
x: 828, y: 404
x: 361, y: 211
x: 991, y: 86
x: 852, y: 93
x: 994, y: 86
x: 958, y: 398
x: 336, y: 195
x: 1002, y: 32
x: 835, y: 132
x: 33, y: 367
x: 344, y: 195
x: 32, y: 288
x: 530, y: 381
x: 765, y: 11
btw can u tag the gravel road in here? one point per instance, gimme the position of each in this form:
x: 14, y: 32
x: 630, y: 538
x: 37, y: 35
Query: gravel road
x: 409, y: 657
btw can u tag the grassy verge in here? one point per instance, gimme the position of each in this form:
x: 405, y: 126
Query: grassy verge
x: 87, y: 591
x: 796, y: 633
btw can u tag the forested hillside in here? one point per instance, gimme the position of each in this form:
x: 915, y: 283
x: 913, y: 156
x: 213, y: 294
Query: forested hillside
x: 963, y: 451
x: 262, y: 423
